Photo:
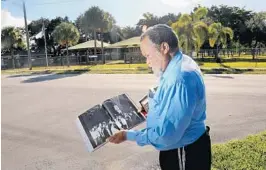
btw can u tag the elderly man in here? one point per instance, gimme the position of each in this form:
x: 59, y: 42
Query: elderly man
x: 177, y: 111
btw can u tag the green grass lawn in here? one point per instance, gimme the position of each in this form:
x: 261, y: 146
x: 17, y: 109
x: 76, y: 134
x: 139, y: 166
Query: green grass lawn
x: 234, y: 65
x: 246, y: 154
x: 114, y: 68
x: 107, y: 68
x: 237, y: 57
x: 242, y: 154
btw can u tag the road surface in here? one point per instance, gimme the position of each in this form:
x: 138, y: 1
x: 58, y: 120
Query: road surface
x: 39, y: 112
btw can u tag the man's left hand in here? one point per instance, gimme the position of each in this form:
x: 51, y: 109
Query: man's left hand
x: 117, y: 138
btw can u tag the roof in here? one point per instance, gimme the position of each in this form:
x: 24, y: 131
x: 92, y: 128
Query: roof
x: 88, y: 44
x: 131, y: 42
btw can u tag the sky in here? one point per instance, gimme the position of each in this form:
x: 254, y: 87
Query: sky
x: 126, y: 12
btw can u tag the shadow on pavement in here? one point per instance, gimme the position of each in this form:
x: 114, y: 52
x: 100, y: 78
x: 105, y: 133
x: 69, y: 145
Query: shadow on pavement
x: 225, y: 77
x: 226, y: 70
x: 65, y: 74
x: 224, y: 66
x: 30, y: 74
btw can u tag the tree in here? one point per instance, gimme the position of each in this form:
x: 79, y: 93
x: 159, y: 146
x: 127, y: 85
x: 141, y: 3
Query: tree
x: 49, y: 30
x: 11, y: 39
x: 235, y: 18
x: 169, y: 18
x: 92, y: 20
x: 96, y: 20
x: 149, y: 20
x: 129, y: 32
x: 218, y: 35
x: 257, y: 26
x: 66, y: 34
x: 108, y: 24
x: 35, y: 27
x: 83, y: 35
x: 191, y: 31
x: 115, y: 34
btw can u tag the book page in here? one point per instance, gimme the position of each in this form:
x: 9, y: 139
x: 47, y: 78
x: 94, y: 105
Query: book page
x: 123, y: 111
x: 98, y: 126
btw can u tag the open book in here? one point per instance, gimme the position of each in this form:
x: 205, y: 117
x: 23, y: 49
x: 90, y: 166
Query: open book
x: 101, y: 121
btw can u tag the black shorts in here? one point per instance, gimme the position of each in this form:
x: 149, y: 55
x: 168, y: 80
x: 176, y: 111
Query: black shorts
x: 196, y: 156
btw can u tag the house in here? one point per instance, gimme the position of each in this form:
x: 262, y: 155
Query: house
x: 128, y: 50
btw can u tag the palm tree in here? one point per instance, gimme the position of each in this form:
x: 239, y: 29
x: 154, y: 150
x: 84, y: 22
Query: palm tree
x: 108, y: 24
x: 92, y: 20
x: 96, y: 20
x: 66, y: 34
x: 191, y: 30
x: 218, y: 35
x: 11, y: 39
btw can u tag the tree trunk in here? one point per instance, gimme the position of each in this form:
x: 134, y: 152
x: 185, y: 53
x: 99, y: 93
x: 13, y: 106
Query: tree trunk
x: 61, y: 56
x: 218, y: 59
x: 67, y: 55
x: 54, y: 53
x: 95, y: 50
x: 12, y: 57
x: 103, y: 56
x: 255, y: 51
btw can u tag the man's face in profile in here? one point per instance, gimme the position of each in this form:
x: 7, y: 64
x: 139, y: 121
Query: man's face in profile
x: 153, y: 57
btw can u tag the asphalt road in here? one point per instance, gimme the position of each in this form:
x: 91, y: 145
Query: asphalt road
x: 39, y: 112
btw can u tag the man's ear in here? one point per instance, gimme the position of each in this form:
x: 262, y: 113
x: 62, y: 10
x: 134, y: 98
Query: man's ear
x: 165, y: 48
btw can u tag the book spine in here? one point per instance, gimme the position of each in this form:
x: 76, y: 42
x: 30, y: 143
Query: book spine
x: 108, y: 111
x: 134, y: 104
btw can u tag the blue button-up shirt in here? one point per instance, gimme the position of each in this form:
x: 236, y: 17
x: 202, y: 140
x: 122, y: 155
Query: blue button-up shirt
x: 177, y: 110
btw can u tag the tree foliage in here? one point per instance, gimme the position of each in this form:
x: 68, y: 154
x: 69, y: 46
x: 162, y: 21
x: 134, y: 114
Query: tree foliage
x: 12, y: 39
x: 191, y: 31
x: 66, y: 34
x: 150, y: 19
x: 257, y: 27
x: 218, y: 34
x: 35, y: 27
x: 96, y: 20
x: 235, y: 18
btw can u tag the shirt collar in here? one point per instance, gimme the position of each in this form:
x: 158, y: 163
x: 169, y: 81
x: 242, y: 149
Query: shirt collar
x: 171, y: 64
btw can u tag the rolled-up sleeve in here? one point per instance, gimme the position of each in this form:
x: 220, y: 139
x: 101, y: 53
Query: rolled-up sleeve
x: 176, y: 109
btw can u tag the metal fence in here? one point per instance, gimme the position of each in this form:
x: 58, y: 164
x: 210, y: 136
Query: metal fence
x: 40, y: 61
x: 232, y: 52
x: 7, y: 62
x: 126, y: 57
x: 134, y: 57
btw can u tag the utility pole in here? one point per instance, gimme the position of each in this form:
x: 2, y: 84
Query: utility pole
x: 27, y: 34
x: 45, y: 46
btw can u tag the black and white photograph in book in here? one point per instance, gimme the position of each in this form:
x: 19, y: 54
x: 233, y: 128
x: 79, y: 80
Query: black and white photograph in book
x: 123, y: 111
x: 97, y: 126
